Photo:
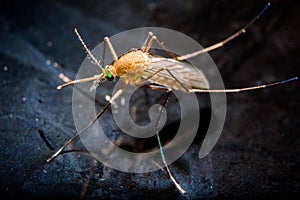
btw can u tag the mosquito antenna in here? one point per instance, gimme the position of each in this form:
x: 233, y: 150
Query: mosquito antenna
x: 88, y: 51
x: 246, y: 88
x: 228, y: 39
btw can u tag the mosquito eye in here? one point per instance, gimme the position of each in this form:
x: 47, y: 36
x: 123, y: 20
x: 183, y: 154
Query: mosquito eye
x: 108, y: 74
x: 110, y: 78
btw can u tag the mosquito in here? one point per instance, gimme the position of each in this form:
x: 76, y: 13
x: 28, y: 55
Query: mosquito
x: 139, y: 67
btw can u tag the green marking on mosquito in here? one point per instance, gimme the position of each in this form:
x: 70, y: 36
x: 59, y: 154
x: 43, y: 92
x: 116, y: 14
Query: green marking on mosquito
x: 166, y: 165
x: 108, y: 74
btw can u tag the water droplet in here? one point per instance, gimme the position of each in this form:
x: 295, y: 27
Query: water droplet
x: 107, y: 98
x: 55, y: 64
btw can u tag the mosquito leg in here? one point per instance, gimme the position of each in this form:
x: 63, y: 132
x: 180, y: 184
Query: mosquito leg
x: 155, y: 87
x: 111, y: 48
x: 168, y: 91
x: 146, y: 46
x: 93, y: 78
x: 184, y: 87
x: 149, y: 41
x: 79, y: 133
x: 116, y: 95
x: 67, y: 80
x: 226, y: 40
x: 246, y: 88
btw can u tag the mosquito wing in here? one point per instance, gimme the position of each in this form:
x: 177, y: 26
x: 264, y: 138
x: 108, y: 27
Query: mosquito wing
x: 174, y: 74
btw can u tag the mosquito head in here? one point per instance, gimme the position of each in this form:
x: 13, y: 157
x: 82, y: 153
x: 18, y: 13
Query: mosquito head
x: 108, y: 74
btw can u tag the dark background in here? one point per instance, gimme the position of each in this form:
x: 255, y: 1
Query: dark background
x: 258, y: 154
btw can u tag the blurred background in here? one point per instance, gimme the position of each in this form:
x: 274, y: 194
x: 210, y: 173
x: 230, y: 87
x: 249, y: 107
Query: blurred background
x: 258, y: 154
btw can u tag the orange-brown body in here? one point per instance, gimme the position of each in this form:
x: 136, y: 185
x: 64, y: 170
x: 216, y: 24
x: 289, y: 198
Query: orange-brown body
x: 130, y: 66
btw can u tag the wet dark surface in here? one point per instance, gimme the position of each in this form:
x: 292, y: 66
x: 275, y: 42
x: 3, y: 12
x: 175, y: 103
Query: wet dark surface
x: 258, y: 154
